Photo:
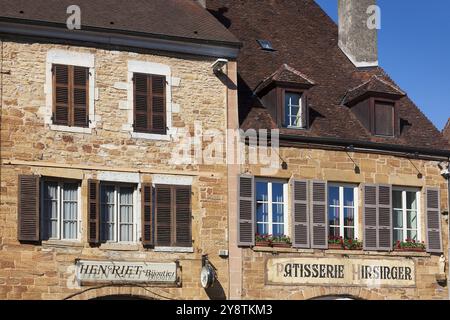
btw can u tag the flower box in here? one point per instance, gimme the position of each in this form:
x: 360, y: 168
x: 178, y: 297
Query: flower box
x: 335, y: 246
x: 262, y: 243
x: 409, y: 249
x: 281, y: 245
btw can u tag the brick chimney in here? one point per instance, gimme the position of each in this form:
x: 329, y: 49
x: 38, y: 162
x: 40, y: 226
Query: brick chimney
x: 358, y: 23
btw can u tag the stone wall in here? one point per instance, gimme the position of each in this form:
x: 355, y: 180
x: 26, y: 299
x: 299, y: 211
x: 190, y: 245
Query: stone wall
x: 29, y: 146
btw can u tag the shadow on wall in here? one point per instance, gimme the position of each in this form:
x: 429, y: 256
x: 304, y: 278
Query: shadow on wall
x: 216, y: 292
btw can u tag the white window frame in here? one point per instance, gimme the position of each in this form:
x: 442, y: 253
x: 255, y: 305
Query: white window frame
x: 59, y: 206
x: 405, y: 229
x: 288, y: 109
x: 71, y: 58
x: 117, y: 222
x: 270, y: 222
x: 146, y: 67
x: 341, y: 226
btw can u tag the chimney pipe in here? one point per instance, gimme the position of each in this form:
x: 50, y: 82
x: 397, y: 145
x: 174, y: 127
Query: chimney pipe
x: 358, y: 24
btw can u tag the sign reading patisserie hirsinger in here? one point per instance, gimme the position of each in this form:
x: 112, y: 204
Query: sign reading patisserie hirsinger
x: 345, y: 272
x: 126, y: 272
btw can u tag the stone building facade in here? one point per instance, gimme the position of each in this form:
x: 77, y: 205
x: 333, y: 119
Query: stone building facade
x: 74, y: 195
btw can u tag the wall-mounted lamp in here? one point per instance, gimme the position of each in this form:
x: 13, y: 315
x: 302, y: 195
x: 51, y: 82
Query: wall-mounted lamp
x: 218, y: 65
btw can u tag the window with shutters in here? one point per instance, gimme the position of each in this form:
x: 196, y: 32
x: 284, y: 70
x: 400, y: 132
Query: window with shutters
x: 294, y: 110
x: 405, y: 210
x: 118, y: 221
x: 60, y: 207
x: 172, y: 216
x: 343, y: 211
x: 70, y: 96
x: 271, y: 207
x: 149, y: 103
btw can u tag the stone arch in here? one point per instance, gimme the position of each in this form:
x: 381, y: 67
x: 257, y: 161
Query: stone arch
x: 116, y: 291
x: 357, y: 293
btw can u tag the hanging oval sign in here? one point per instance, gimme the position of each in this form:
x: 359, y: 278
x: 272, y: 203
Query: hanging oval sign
x: 207, y: 276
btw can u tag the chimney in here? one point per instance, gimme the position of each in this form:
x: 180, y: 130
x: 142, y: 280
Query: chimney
x: 358, y: 24
x: 202, y: 3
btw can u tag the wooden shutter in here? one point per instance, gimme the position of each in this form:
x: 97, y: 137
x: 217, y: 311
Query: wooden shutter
x: 433, y: 220
x: 28, y: 208
x: 183, y: 216
x: 163, y: 212
x: 80, y: 110
x: 370, y: 218
x: 149, y: 103
x: 318, y: 220
x: 61, y: 94
x: 94, y: 212
x: 385, y: 218
x: 300, y: 216
x: 147, y: 214
x: 246, y: 212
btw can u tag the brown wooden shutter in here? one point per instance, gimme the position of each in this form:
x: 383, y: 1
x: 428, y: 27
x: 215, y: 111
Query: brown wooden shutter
x: 141, y: 112
x: 163, y: 212
x: 94, y: 212
x: 300, y: 216
x: 433, y: 220
x: 318, y: 220
x: 370, y: 217
x: 246, y: 212
x: 183, y: 216
x: 385, y: 218
x: 28, y: 208
x: 80, y: 97
x: 147, y: 214
x: 61, y: 94
x: 158, y: 99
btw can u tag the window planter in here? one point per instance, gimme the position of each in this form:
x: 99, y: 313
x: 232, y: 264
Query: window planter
x: 335, y: 246
x: 409, y: 249
x: 262, y: 244
x: 281, y: 245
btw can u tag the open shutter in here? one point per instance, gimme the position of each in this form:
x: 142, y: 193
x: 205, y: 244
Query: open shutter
x: 146, y: 214
x: 158, y: 102
x: 80, y: 96
x: 141, y: 105
x: 163, y: 206
x: 61, y: 94
x: 319, y: 229
x: 183, y: 216
x: 246, y: 212
x: 433, y: 220
x: 28, y: 208
x: 300, y: 216
x: 370, y: 217
x: 385, y: 217
x: 94, y: 211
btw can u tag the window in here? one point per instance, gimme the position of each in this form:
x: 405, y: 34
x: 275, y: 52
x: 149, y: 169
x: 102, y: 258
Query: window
x: 60, y: 210
x: 117, y: 204
x: 70, y: 95
x: 271, y: 208
x: 405, y: 214
x: 172, y: 208
x: 265, y: 45
x: 384, y: 119
x: 149, y: 103
x: 342, y: 211
x: 294, y: 115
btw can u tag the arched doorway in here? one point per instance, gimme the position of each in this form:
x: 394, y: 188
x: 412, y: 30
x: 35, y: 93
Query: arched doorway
x: 336, y: 297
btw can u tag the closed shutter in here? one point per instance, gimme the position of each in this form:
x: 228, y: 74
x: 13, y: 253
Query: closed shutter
x: 163, y: 212
x: 300, y: 216
x: 385, y: 218
x: 28, y: 208
x: 319, y: 229
x: 433, y: 220
x: 149, y: 103
x: 246, y: 212
x: 80, y: 96
x: 94, y: 211
x: 370, y: 217
x: 183, y: 216
x: 61, y: 94
x: 147, y: 214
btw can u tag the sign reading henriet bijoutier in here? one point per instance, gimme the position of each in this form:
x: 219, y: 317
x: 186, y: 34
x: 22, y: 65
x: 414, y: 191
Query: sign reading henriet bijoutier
x: 126, y: 272
x: 344, y: 272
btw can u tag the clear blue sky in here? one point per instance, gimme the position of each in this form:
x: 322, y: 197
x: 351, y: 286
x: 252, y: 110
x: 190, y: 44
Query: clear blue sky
x: 414, y: 48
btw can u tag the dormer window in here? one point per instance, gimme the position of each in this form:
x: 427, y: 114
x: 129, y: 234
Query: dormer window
x: 294, y: 111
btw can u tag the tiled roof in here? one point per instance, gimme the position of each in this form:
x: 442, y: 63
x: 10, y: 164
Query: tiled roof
x: 286, y: 74
x: 446, y: 131
x: 306, y: 39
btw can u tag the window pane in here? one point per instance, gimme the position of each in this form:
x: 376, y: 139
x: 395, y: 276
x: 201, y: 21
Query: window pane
x: 411, y: 200
x: 349, y: 233
x: 126, y: 213
x: 397, y: 199
x: 333, y: 216
x: 262, y: 228
x: 411, y: 219
x: 278, y: 229
x: 334, y: 232
x: 50, y: 213
x: 277, y: 192
x: 349, y: 217
x: 333, y: 196
x: 398, y: 235
x: 261, y: 191
x: 398, y: 219
x: 349, y: 197
x: 262, y: 212
x: 107, y: 214
x: 70, y: 211
x: 292, y: 109
x: 278, y: 213
x: 412, y: 234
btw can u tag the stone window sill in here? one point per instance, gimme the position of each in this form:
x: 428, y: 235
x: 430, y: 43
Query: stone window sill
x: 119, y: 247
x: 150, y: 136
x: 174, y: 249
x: 61, y: 244
x: 70, y: 129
